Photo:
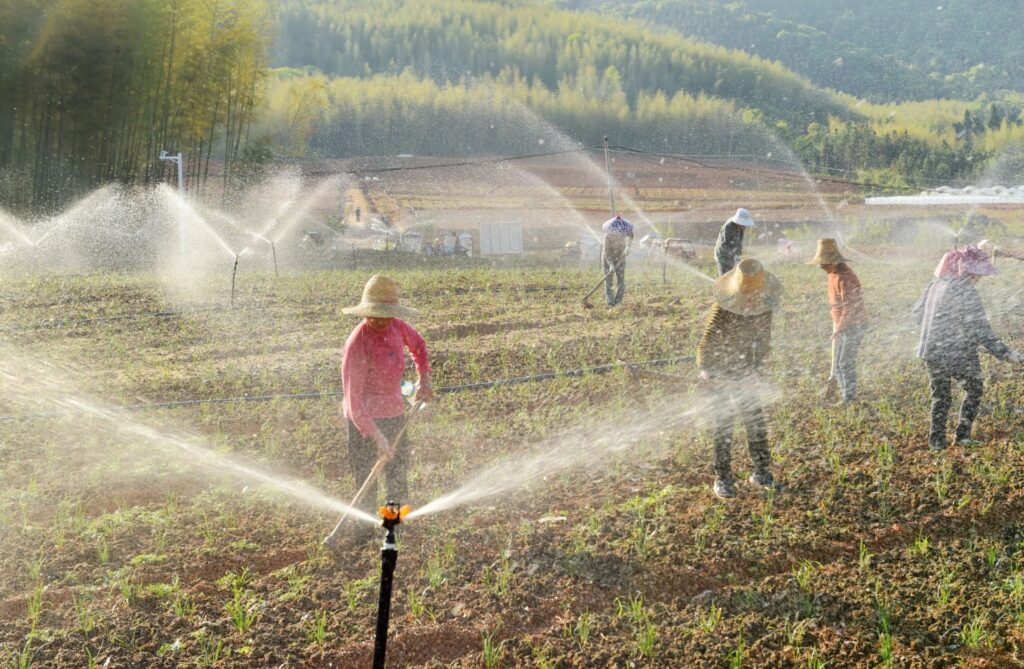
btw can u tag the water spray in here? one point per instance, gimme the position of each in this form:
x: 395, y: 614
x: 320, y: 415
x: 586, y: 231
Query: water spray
x: 391, y: 515
x: 331, y: 540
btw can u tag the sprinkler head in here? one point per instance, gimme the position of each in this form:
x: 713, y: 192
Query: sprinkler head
x: 391, y: 514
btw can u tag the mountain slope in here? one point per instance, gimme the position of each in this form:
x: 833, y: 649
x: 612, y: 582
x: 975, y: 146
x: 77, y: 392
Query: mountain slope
x: 884, y: 50
x: 453, y: 40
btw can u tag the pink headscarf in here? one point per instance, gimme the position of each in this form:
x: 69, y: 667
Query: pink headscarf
x: 966, y: 262
x: 949, y: 266
x: 975, y: 261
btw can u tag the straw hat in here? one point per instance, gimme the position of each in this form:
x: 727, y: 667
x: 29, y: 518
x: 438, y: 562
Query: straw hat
x: 741, y: 217
x: 828, y: 253
x: 747, y: 289
x: 380, y: 300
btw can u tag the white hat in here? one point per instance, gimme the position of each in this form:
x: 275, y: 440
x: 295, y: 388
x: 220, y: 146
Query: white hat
x: 742, y: 217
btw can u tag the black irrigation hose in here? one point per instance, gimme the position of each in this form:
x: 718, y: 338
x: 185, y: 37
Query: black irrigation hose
x: 483, y: 385
x: 169, y: 313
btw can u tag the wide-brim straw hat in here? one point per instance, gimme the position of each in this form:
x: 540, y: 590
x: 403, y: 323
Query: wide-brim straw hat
x: 380, y: 300
x: 741, y: 217
x: 828, y: 253
x: 747, y: 289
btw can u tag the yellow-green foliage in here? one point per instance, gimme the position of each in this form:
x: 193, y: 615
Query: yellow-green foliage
x: 447, y: 40
x: 92, y: 90
x: 405, y: 113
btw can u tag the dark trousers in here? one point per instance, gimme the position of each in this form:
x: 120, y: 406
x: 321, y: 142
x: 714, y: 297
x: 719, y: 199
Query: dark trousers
x: 941, y: 376
x: 614, y: 297
x: 362, y: 453
x: 847, y: 345
x: 749, y: 410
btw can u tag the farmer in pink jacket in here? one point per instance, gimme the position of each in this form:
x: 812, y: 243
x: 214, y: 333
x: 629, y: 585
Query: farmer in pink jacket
x: 372, y: 367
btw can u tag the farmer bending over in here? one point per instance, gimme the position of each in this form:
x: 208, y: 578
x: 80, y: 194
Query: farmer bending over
x: 372, y: 366
x: 736, y: 342
x: 953, y: 325
x: 729, y: 246
x: 849, y: 318
x: 618, y: 232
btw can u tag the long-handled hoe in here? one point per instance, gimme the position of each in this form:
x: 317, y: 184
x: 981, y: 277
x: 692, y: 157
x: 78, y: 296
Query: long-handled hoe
x: 588, y: 305
x: 832, y: 385
x: 331, y: 540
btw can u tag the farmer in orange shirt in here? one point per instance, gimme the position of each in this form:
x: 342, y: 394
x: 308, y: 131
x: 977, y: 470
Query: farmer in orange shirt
x: 849, y: 318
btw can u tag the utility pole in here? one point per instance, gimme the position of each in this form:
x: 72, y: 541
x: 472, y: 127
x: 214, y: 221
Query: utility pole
x: 608, y: 173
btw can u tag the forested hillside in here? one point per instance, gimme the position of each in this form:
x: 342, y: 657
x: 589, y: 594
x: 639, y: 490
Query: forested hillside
x: 451, y: 40
x: 885, y: 50
x: 586, y: 74
x: 93, y: 90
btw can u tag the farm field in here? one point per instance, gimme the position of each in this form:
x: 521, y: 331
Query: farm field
x: 124, y: 551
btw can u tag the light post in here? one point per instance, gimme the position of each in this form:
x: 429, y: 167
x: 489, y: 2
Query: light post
x: 177, y: 158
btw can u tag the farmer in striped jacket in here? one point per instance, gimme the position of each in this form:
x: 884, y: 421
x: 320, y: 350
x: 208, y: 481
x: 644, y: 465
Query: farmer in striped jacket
x: 736, y: 342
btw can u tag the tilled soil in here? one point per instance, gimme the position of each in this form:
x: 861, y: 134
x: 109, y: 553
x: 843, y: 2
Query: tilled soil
x: 877, y: 552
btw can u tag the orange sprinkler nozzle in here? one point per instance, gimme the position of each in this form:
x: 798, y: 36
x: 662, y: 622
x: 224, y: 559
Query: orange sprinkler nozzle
x: 392, y: 513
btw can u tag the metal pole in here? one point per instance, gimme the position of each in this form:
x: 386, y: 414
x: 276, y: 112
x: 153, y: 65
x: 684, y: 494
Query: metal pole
x: 233, y: 272
x: 273, y: 249
x: 608, y: 173
x: 181, y: 192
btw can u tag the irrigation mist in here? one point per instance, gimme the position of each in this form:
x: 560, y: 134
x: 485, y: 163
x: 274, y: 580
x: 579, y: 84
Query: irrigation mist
x: 594, y: 444
x: 47, y: 387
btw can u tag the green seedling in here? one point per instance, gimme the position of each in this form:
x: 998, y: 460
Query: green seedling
x: 581, y: 630
x: 864, y: 557
x: 316, y: 631
x: 885, y: 641
x: 710, y: 620
x: 354, y: 590
x: 492, y: 653
x: 241, y: 610
x: 944, y: 591
x: 737, y: 655
x: 973, y: 634
x: 647, y: 639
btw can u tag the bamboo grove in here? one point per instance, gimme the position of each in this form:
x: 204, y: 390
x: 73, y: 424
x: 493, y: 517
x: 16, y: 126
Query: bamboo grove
x: 93, y: 90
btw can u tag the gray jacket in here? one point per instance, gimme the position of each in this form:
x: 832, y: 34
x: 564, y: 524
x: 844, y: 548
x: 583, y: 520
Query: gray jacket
x: 729, y: 247
x: 954, y: 325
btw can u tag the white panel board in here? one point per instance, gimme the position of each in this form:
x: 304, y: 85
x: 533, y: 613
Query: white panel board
x: 501, y: 239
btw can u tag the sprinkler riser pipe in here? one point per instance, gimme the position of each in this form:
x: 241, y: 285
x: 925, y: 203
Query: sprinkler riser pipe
x: 388, y: 560
x: 273, y: 249
x: 234, y: 271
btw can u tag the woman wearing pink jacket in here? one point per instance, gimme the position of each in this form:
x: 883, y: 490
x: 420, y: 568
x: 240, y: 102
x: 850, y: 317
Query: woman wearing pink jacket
x: 372, y: 367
